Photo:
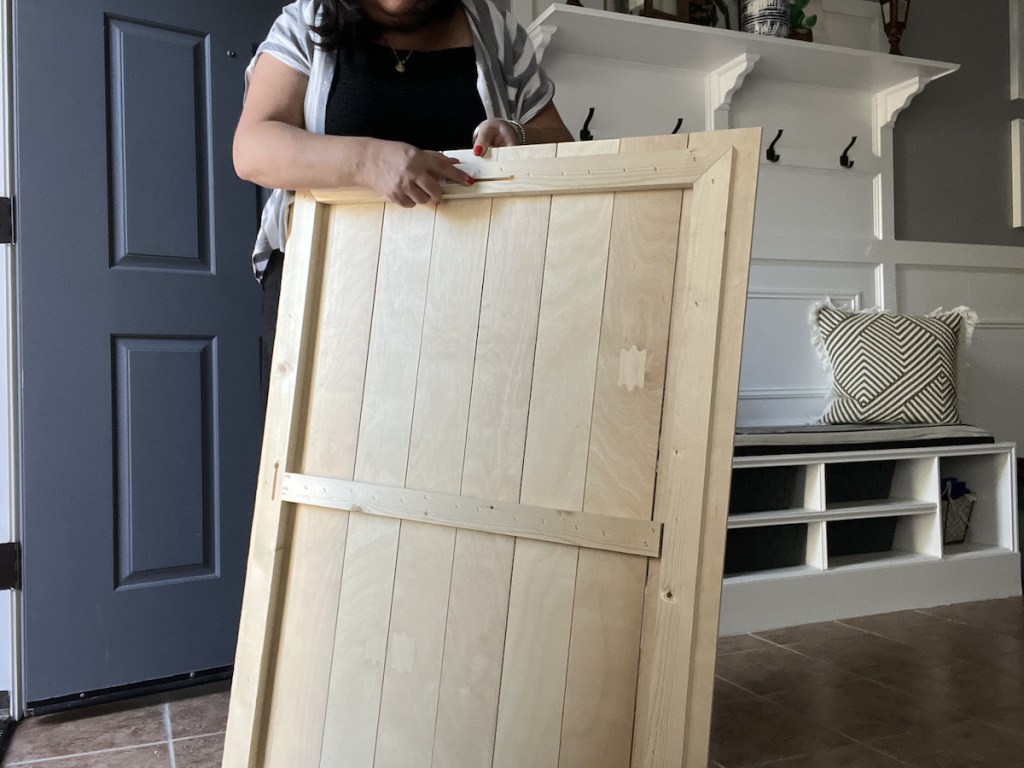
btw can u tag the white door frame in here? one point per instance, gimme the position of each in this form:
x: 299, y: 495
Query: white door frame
x: 10, y: 604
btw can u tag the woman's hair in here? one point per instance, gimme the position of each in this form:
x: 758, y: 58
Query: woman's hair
x: 339, y: 21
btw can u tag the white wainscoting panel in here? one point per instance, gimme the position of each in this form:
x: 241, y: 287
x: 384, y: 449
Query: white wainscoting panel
x: 782, y: 380
x: 993, y: 380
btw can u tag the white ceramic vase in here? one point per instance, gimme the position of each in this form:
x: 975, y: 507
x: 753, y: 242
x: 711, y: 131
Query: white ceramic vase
x: 765, y: 17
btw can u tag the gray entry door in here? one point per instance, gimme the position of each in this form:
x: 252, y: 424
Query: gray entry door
x: 138, y: 336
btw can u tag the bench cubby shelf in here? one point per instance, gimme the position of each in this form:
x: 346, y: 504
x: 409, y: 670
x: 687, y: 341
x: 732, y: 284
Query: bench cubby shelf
x: 826, y: 535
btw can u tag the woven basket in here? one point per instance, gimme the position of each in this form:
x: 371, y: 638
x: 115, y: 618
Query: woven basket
x: 956, y: 517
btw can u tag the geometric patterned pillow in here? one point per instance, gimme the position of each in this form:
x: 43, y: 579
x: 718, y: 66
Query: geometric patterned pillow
x: 891, y: 369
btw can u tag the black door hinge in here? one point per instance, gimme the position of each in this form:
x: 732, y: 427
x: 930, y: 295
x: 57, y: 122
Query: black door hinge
x: 6, y: 221
x: 10, y: 565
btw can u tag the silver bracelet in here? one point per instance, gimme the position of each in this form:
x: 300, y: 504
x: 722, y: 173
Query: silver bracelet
x: 518, y: 128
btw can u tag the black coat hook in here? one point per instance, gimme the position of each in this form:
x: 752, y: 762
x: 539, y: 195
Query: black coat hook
x: 771, y: 154
x: 844, y: 159
x: 585, y: 134
x: 679, y: 124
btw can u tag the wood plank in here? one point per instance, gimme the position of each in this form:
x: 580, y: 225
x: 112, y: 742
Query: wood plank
x: 554, y: 473
x: 437, y: 448
x: 448, y: 350
x: 608, y: 532
x: 568, y: 334
x: 361, y: 640
x: 313, y: 582
x: 677, y: 658
x: 569, y: 173
x: 471, y: 672
x: 746, y: 148
x: 306, y: 640
x: 405, y: 736
x: 339, y: 359
x: 506, y: 342
x: 393, y: 360
x: 252, y: 682
x: 600, y: 687
x: 360, y: 648
x: 536, y: 647
x: 482, y: 569
x: 600, y: 693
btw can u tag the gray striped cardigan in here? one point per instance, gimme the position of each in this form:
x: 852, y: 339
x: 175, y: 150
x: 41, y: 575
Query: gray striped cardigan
x: 509, y: 79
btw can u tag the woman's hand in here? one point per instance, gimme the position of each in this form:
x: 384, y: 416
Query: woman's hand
x: 494, y: 132
x: 408, y: 176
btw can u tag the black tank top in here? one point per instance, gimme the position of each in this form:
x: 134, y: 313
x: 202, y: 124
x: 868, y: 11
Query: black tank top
x: 433, y: 104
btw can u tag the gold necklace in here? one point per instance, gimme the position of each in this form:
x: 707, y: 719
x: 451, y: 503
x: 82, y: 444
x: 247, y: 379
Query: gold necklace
x: 399, y: 60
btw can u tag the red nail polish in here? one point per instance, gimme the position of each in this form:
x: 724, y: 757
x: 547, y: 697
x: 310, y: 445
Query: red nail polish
x: 478, y: 150
x: 471, y: 181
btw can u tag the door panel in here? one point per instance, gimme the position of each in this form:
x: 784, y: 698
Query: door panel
x: 138, y: 323
x: 393, y: 617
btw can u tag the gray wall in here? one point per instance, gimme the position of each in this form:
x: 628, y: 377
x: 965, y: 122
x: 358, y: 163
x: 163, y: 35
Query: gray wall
x: 952, y: 144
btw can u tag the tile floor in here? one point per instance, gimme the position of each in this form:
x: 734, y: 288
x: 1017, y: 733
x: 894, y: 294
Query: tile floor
x: 941, y: 688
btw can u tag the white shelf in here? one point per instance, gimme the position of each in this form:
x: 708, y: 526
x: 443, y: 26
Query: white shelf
x: 660, y: 43
x: 875, y: 559
x: 844, y: 511
x: 900, y: 568
x: 852, y: 510
x: 774, y: 517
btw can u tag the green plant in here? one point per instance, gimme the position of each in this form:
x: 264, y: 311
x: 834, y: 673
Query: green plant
x: 797, y: 18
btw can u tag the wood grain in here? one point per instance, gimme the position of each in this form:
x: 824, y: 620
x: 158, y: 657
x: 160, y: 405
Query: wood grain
x: 575, y: 171
x: 597, y: 720
x: 613, y: 533
x: 252, y: 683
x: 482, y: 568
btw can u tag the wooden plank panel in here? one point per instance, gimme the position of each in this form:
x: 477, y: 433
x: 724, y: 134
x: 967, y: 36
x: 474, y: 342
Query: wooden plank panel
x: 505, y: 346
x: 393, y: 361
x: 339, y: 359
x: 357, y: 670
x: 412, y: 674
x: 252, y: 683
x: 600, y: 687
x: 364, y: 614
x: 482, y: 569
x: 554, y: 473
x: 306, y: 641
x: 597, y: 722
x: 568, y: 333
x: 536, y: 646
x: 452, y: 314
x: 471, y: 672
x: 423, y: 577
x: 302, y: 670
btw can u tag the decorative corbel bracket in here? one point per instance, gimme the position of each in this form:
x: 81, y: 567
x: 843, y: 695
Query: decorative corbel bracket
x: 720, y: 86
x: 541, y: 36
x: 889, y: 103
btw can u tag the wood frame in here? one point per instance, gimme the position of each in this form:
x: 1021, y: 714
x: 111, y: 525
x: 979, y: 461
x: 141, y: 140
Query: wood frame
x: 587, y: 586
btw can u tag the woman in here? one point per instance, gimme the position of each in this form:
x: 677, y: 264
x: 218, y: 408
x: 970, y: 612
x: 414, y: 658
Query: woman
x: 367, y: 93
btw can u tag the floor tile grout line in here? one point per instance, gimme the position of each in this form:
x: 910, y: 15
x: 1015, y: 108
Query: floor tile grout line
x: 112, y: 750
x: 195, y: 736
x: 170, y: 734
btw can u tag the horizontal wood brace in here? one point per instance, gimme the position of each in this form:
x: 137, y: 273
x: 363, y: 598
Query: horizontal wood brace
x: 675, y: 169
x: 581, y: 529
